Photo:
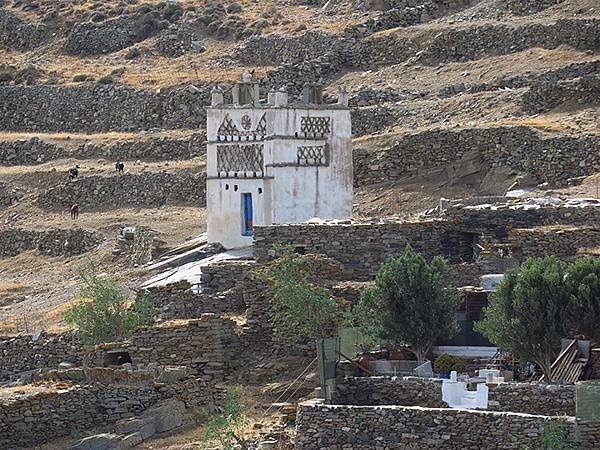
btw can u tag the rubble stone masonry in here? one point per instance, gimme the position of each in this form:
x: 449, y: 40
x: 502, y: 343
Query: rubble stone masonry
x: 552, y: 158
x: 53, y: 242
x: 401, y: 427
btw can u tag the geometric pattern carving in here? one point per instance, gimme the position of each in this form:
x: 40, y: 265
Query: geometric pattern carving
x: 313, y: 156
x: 315, y: 125
x: 240, y: 158
x: 228, y: 128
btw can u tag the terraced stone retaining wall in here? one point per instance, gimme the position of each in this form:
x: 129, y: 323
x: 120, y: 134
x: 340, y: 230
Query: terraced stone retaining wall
x: 93, y: 108
x: 149, y: 189
x: 223, y: 275
x: 37, y: 151
x: 549, y: 158
x: 33, y: 415
x: 400, y: 427
x: 25, y: 353
x: 54, y: 242
x: 560, y: 241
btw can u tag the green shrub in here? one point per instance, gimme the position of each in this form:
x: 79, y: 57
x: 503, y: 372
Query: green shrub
x: 301, y: 309
x: 104, y: 311
x: 106, y: 79
x: 447, y: 363
x: 224, y: 428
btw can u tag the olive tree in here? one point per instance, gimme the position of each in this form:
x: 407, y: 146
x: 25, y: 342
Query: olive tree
x: 583, y: 309
x: 410, y: 304
x: 527, y: 312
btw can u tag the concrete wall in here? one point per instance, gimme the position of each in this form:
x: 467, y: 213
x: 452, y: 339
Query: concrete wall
x: 284, y: 189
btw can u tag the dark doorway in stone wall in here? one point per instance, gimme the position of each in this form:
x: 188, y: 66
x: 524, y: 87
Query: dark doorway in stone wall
x: 116, y: 358
x: 469, y: 248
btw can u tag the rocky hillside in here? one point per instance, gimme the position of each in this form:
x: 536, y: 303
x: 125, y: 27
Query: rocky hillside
x: 449, y: 98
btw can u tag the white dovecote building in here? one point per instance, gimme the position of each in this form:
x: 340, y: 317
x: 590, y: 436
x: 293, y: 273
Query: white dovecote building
x: 275, y: 162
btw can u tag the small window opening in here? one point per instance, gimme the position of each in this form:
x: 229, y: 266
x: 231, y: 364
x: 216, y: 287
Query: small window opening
x: 260, y: 190
x: 117, y: 358
x: 226, y: 187
x: 235, y: 187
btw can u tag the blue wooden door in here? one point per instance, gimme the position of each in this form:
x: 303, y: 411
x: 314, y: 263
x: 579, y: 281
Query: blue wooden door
x: 247, y: 214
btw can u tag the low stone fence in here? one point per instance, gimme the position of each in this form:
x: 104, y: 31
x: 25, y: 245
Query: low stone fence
x: 25, y: 353
x: 34, y: 414
x: 38, y: 151
x: 545, y: 96
x: 143, y: 189
x: 55, y: 242
x: 401, y: 427
x: 543, y: 399
x: 540, y: 399
x: 375, y: 391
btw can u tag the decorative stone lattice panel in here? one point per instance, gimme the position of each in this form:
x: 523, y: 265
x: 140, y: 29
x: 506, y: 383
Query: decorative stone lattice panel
x: 240, y: 158
x: 228, y: 128
x: 313, y: 156
x: 315, y: 126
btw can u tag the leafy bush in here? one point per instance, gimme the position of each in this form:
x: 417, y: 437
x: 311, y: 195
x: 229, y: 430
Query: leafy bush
x: 583, y: 308
x: 410, y: 305
x: 104, y: 312
x: 447, y: 363
x: 301, y: 310
x: 225, y: 427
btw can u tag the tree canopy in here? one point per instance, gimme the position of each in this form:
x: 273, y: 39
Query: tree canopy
x: 301, y: 309
x: 104, y: 311
x: 583, y: 284
x: 527, y: 312
x: 410, y: 303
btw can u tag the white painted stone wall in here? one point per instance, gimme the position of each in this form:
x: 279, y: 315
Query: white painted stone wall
x: 289, y: 192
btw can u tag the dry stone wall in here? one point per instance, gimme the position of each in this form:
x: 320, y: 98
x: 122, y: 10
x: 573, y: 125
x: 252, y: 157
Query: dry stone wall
x: 18, y: 34
x: 223, y: 275
x: 25, y: 353
x: 365, y: 391
x: 37, y: 151
x: 540, y: 399
x: 178, y: 301
x: 548, y: 158
x: 207, y: 346
x: 559, y: 241
x: 362, y: 247
x: 546, y: 95
x: 400, y: 427
x: 54, y: 242
x: 101, y: 108
x: 149, y: 189
x: 43, y: 412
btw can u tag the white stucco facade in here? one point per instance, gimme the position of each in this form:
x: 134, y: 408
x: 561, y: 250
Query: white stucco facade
x: 287, y: 163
